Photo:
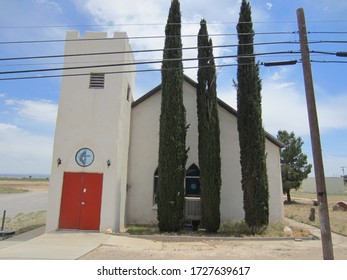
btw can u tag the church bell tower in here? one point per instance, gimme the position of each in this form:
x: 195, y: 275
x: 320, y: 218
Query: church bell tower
x: 88, y: 181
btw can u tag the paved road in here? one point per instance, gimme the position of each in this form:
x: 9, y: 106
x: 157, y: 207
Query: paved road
x: 23, y: 202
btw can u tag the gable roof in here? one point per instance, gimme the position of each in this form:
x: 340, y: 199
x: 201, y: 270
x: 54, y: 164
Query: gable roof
x: 221, y: 103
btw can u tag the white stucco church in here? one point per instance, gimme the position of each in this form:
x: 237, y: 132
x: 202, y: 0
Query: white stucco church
x: 105, y: 158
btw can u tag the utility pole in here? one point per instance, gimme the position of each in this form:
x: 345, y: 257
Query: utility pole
x: 315, y: 140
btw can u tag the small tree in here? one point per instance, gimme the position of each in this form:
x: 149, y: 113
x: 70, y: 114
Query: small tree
x: 294, y: 165
x: 249, y: 123
x: 209, y: 133
x: 172, y: 131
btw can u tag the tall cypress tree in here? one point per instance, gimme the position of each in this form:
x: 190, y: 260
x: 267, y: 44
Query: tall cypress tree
x: 209, y: 133
x: 172, y: 153
x: 251, y: 132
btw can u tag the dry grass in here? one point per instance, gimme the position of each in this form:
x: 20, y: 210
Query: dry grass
x: 8, y: 185
x: 10, y: 190
x: 230, y: 229
x: 300, y: 208
x: 23, y: 222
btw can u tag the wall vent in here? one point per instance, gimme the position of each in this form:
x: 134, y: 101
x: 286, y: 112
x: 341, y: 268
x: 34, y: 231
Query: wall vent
x: 97, y: 80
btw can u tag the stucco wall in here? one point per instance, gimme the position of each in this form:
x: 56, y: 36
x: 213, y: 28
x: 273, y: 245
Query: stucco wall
x: 143, y: 160
x: 95, y: 118
x: 334, y: 185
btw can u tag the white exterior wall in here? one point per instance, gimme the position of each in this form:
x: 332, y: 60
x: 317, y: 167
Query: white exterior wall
x: 231, y: 191
x: 334, y: 185
x: 231, y: 206
x: 143, y: 161
x: 95, y: 118
x: 275, y: 181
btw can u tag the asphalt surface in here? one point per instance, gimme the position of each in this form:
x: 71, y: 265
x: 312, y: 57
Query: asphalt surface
x: 23, y: 203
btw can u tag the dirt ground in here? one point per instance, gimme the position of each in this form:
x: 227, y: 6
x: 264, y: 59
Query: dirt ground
x: 28, y: 185
x: 130, y: 248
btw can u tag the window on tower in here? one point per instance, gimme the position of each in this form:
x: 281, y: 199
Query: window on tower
x: 128, y: 92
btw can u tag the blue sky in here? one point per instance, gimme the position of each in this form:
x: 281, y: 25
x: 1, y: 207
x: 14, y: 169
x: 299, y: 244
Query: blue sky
x: 28, y: 107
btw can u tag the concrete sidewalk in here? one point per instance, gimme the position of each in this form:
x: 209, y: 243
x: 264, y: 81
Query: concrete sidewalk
x: 59, y: 245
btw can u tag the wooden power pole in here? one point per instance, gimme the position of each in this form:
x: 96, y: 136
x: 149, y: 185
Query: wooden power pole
x: 315, y: 140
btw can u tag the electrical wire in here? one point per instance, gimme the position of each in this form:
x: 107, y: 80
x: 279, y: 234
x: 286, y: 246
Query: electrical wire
x: 160, y: 50
x: 328, y: 42
x: 148, y: 62
x: 117, y: 72
x: 154, y: 70
x: 144, y: 37
x: 134, y: 24
x: 144, y: 51
x: 329, y: 61
x: 140, y: 63
x: 162, y: 24
x: 163, y: 36
x: 98, y: 61
x: 327, y: 32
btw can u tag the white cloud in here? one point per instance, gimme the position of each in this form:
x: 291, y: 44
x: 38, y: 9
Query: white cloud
x: 269, y: 5
x: 332, y: 112
x: 23, y: 152
x: 150, y: 19
x: 25, y: 143
x: 136, y: 20
x: 40, y: 111
x: 284, y: 107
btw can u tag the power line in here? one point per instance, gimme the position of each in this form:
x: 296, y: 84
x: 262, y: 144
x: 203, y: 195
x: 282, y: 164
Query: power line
x: 105, y: 61
x: 138, y: 63
x: 327, y: 32
x: 183, y: 36
x: 131, y: 24
x: 143, y: 51
x: 156, y: 70
x: 160, y: 50
x: 108, y: 72
x: 279, y: 63
x: 329, y: 61
x: 143, y: 37
x: 340, y: 54
x: 161, y: 24
x: 328, y: 42
x: 147, y: 62
x: 120, y: 72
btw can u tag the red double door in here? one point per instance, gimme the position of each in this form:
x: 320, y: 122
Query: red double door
x: 81, y: 201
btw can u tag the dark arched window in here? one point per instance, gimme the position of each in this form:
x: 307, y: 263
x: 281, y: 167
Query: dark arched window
x: 193, y: 181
